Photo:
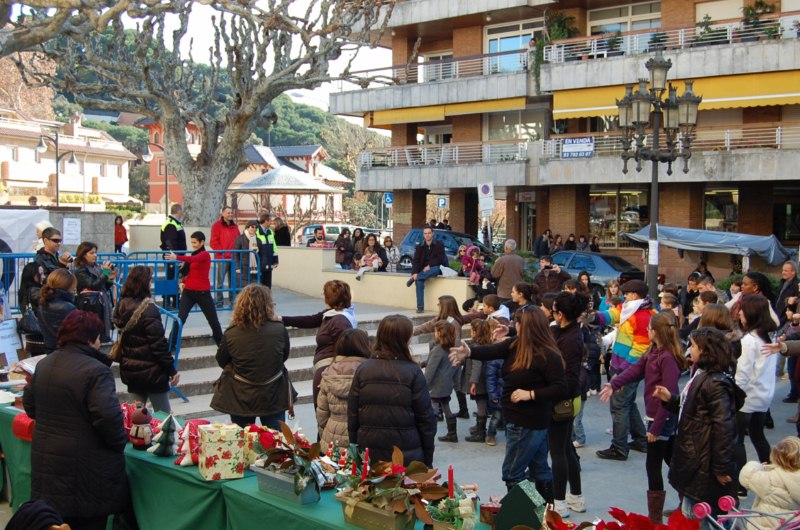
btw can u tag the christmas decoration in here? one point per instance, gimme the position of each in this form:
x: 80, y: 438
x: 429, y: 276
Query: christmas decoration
x: 165, y: 443
x: 189, y: 447
x: 141, y: 432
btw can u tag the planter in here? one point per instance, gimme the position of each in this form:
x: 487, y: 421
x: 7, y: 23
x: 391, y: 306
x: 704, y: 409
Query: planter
x: 282, y: 485
x: 365, y: 515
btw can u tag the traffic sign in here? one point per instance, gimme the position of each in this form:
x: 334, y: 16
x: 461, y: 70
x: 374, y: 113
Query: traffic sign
x: 388, y: 199
x: 486, y: 196
x: 441, y: 202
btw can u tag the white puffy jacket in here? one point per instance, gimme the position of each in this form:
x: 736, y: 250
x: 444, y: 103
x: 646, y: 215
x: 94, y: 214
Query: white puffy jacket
x: 776, y: 489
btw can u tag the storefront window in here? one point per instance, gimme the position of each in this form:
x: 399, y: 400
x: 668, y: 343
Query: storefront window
x: 721, y: 207
x: 786, y: 214
x: 615, y: 210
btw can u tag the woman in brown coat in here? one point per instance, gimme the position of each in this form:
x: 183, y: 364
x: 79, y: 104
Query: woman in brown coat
x: 254, y: 380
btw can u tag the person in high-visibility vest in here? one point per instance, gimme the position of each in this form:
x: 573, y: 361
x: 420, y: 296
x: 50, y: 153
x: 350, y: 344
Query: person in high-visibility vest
x: 173, y: 238
x: 267, y: 249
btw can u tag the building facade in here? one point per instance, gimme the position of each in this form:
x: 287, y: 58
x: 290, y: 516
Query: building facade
x: 472, y: 101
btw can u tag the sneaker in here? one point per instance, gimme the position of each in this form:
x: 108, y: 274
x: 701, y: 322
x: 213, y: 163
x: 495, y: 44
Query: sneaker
x: 610, y: 432
x: 576, y: 503
x: 611, y: 454
x: 420, y: 310
x: 358, y: 278
x: 491, y: 440
x: 561, y: 508
x: 790, y: 399
x: 577, y: 445
x: 410, y: 282
x: 592, y: 392
x: 219, y: 305
x: 639, y: 447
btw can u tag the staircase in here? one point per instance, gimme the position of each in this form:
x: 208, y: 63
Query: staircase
x: 199, y: 369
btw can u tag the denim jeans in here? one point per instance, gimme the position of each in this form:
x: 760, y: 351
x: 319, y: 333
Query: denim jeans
x: 270, y: 420
x: 495, y: 417
x: 421, y: 277
x: 791, y: 366
x: 578, y: 433
x: 158, y: 401
x: 526, y: 456
x: 626, y: 419
x: 224, y: 269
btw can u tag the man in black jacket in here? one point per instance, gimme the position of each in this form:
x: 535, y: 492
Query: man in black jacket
x: 173, y: 238
x: 47, y: 257
x: 429, y: 257
x: 267, y: 249
x: 787, y: 299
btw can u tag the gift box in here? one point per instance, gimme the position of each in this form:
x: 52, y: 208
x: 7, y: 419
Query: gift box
x: 488, y: 511
x: 251, y: 449
x: 222, y: 451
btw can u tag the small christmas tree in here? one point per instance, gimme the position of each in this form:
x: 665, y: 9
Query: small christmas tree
x: 165, y: 443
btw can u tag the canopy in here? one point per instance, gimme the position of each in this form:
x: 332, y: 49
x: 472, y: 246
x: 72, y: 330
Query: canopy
x: 768, y: 248
x: 286, y: 180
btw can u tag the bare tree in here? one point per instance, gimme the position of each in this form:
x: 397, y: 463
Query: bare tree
x: 258, y: 52
x: 345, y: 141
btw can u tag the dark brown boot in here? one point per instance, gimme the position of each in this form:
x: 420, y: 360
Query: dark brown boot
x: 655, y: 505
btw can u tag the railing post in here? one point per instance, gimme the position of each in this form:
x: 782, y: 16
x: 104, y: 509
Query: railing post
x: 730, y: 32
x: 455, y: 154
x: 487, y: 153
x: 779, y: 137
x: 681, y: 38
x: 727, y: 139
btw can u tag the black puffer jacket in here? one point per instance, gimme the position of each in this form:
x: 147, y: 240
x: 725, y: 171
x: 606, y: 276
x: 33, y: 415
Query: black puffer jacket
x: 706, y: 439
x: 573, y: 349
x: 52, y: 314
x: 146, y: 364
x: 390, y: 405
x: 256, y: 357
x: 77, y: 460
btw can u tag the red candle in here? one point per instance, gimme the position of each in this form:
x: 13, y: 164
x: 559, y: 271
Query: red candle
x: 366, y: 465
x: 450, y: 482
x: 354, y: 470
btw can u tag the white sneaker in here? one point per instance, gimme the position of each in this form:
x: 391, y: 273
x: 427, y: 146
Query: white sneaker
x: 561, y: 508
x: 576, y: 503
x: 610, y: 432
x: 577, y: 445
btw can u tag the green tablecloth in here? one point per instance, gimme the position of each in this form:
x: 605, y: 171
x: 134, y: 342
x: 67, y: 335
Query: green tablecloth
x: 17, y: 457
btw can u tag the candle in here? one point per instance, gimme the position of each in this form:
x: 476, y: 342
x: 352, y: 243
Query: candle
x: 450, y: 482
x: 366, y: 465
x: 354, y: 471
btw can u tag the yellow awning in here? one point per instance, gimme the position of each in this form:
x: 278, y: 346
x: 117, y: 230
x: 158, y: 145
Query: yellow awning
x: 439, y: 112
x: 723, y: 92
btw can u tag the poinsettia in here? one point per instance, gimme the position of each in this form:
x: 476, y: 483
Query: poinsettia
x: 625, y: 521
x: 290, y: 453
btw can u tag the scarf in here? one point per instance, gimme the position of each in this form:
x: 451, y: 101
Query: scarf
x: 253, y: 246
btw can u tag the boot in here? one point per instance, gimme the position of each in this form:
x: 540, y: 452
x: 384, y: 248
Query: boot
x: 480, y: 431
x: 463, y: 411
x: 655, y: 505
x: 452, y: 435
x: 545, y: 489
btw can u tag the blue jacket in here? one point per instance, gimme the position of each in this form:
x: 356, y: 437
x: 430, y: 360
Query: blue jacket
x: 494, y: 384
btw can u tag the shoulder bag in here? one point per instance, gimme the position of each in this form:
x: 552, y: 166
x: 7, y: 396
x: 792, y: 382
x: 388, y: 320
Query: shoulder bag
x: 29, y: 323
x: 116, y: 350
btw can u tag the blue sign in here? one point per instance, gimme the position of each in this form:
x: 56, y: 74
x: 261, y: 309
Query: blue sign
x: 441, y: 202
x: 388, y: 199
x: 577, y: 147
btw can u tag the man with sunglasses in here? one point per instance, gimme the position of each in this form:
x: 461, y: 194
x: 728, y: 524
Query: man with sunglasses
x: 48, y: 256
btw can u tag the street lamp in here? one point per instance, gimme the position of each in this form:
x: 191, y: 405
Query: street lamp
x: 148, y: 157
x: 679, y: 123
x: 42, y: 148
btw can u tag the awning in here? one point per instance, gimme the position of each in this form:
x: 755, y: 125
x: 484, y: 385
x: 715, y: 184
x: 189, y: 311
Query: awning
x: 439, y: 112
x: 723, y: 92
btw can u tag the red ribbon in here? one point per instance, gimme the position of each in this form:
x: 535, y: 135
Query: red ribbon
x: 22, y: 427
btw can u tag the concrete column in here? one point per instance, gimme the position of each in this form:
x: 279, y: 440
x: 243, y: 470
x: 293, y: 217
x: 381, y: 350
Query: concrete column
x: 755, y: 208
x: 409, y: 212
x: 542, y: 211
x: 471, y: 212
x: 457, y: 210
x: 513, y: 229
x: 404, y: 134
x: 681, y: 205
x: 568, y: 210
x: 467, y: 128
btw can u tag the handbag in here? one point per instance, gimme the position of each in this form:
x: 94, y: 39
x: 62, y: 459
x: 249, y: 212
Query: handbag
x: 563, y: 410
x: 115, y: 354
x: 29, y: 323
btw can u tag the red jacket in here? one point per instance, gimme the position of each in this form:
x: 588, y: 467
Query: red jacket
x: 223, y: 236
x: 197, y: 279
x: 120, y: 234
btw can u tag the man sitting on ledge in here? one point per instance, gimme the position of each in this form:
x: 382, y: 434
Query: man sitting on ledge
x: 429, y: 257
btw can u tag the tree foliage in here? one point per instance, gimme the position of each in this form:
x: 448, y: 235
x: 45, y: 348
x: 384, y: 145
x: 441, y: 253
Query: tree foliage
x: 360, y: 211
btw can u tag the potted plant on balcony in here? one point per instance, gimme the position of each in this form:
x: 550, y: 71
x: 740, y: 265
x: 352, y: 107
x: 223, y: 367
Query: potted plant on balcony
x: 708, y: 35
x: 657, y: 41
x: 290, y: 467
x: 386, y: 495
x: 752, y: 25
x: 613, y: 43
x: 796, y: 26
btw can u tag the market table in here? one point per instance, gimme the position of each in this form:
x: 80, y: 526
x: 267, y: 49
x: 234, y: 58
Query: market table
x: 17, y: 457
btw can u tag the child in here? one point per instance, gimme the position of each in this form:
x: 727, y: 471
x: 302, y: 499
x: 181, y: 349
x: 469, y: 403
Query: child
x: 371, y: 261
x: 776, y: 485
x: 735, y: 288
x: 196, y: 287
x: 494, y: 309
x: 703, y: 463
x: 471, y: 265
x: 494, y: 391
x: 473, y: 380
x: 669, y: 302
x: 439, y: 375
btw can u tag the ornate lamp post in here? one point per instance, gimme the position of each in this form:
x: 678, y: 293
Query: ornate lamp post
x: 42, y: 148
x: 148, y: 157
x: 679, y: 123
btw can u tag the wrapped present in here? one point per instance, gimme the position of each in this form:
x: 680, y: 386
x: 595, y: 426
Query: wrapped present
x: 489, y: 510
x: 222, y: 451
x: 189, y: 446
x: 252, y: 448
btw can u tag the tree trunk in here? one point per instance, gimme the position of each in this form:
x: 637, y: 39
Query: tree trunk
x: 203, y: 193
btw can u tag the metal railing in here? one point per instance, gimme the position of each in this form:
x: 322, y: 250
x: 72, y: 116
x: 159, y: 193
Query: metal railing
x: 710, y: 139
x: 448, y: 154
x: 440, y: 70
x: 637, y: 42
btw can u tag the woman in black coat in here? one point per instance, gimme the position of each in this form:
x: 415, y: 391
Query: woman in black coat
x: 96, y: 278
x: 146, y: 365
x: 389, y: 403
x: 254, y: 381
x: 77, y: 453
x: 703, y: 465
x: 57, y: 300
x: 371, y: 241
x: 283, y: 236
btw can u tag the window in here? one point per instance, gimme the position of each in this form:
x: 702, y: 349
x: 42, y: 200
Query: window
x: 103, y: 167
x: 583, y: 263
x: 786, y: 214
x: 526, y: 124
x: 15, y: 154
x: 439, y: 70
x: 622, y: 19
x: 162, y: 167
x: 156, y: 138
x: 721, y: 208
x: 719, y: 10
x: 616, y: 210
x: 509, y: 38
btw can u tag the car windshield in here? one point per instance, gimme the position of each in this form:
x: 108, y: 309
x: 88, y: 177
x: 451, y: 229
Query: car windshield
x: 619, y: 264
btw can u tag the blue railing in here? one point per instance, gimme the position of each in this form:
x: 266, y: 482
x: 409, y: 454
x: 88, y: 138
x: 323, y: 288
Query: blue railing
x: 173, y: 342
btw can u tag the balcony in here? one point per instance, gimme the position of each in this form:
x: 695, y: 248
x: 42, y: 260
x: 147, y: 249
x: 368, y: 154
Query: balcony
x: 464, y: 79
x: 408, y: 12
x: 725, y: 49
x: 747, y: 153
x: 444, y: 166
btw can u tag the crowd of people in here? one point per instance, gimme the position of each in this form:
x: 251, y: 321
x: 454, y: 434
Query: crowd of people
x: 535, y: 354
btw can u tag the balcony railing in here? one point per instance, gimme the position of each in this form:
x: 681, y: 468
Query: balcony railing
x: 645, y: 41
x: 448, y: 154
x: 441, y: 70
x: 784, y: 136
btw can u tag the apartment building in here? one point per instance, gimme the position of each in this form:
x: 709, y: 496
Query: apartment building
x: 474, y: 105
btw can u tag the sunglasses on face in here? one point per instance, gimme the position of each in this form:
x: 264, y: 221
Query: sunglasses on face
x: 55, y: 240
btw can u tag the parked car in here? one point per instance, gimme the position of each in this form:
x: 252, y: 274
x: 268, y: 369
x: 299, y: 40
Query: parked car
x: 332, y: 231
x: 601, y: 267
x: 452, y: 240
